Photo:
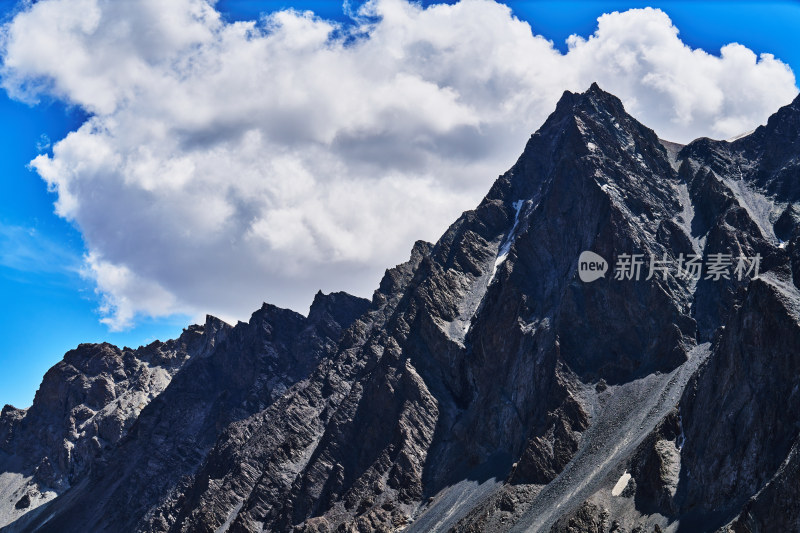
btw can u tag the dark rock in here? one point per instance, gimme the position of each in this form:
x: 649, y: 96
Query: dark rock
x: 23, y: 502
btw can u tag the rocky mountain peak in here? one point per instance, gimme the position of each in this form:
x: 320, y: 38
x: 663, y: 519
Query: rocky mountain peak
x: 595, y: 128
x: 785, y: 123
x: 594, y: 100
x: 85, y: 405
x: 487, y: 387
x: 593, y: 106
x: 343, y: 308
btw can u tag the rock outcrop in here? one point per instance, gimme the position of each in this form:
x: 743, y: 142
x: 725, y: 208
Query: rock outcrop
x: 85, y: 406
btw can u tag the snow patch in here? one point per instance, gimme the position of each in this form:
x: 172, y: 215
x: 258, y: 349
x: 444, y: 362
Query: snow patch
x: 685, y: 218
x: 502, y: 253
x: 621, y: 484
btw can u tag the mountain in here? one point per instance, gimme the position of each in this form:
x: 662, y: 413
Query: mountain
x: 485, y: 387
x: 85, y: 406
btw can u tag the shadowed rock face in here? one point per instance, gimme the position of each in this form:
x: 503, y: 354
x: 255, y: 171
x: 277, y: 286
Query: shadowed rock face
x: 485, y: 387
x: 228, y: 373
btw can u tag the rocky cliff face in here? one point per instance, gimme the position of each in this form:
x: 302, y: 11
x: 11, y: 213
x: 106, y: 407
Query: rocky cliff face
x: 486, y: 387
x: 84, y: 407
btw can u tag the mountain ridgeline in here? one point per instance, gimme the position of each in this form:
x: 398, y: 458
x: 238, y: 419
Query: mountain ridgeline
x: 485, y: 387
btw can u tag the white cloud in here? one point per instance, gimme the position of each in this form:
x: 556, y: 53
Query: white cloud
x: 116, y: 284
x: 680, y: 92
x: 229, y: 163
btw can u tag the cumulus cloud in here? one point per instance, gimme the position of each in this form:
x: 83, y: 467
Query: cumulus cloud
x: 229, y: 163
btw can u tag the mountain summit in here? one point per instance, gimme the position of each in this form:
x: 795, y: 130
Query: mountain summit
x: 485, y: 387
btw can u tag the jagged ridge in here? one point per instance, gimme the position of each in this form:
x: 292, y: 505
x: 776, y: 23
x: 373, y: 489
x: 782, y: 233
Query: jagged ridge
x: 486, y: 388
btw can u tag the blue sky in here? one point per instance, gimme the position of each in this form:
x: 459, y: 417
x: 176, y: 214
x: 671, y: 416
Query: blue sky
x: 48, y: 307
x: 761, y: 26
